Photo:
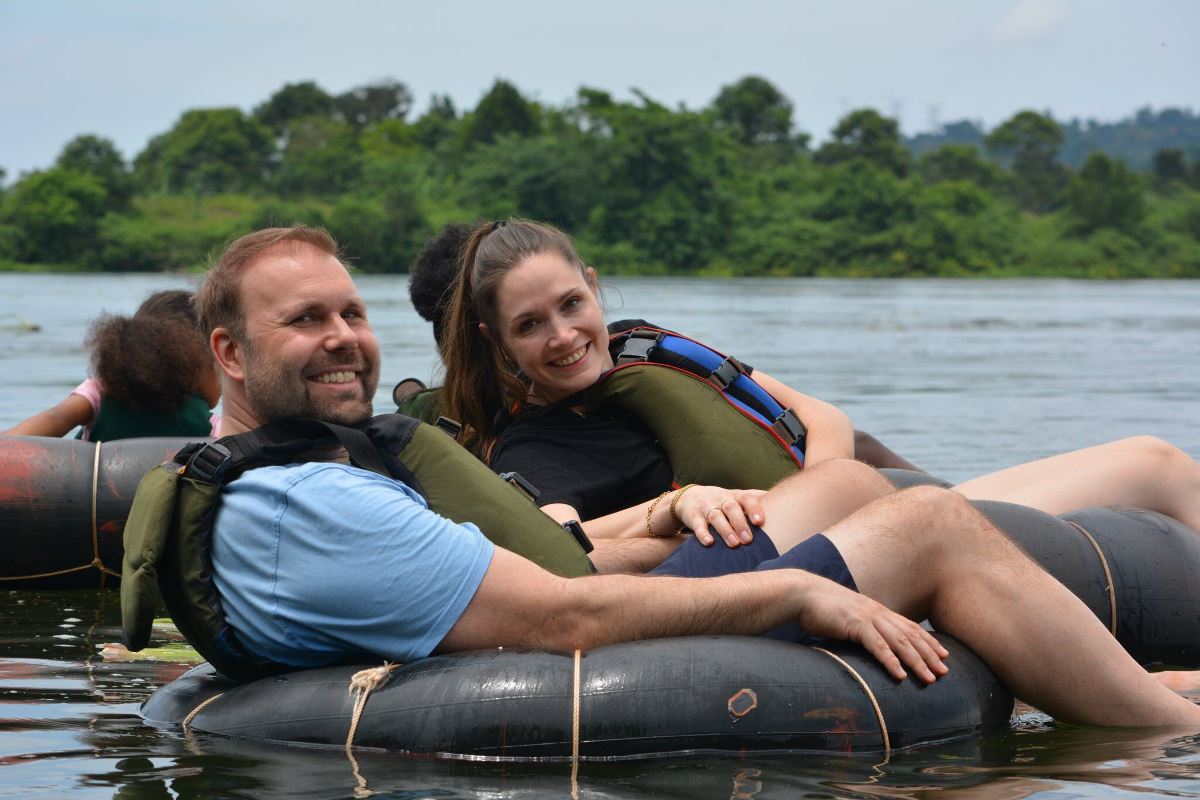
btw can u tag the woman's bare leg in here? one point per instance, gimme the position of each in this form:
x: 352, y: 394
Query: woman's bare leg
x: 1141, y: 471
x: 926, y: 553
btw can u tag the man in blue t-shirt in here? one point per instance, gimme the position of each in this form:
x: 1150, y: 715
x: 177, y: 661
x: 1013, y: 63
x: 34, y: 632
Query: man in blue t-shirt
x: 318, y: 561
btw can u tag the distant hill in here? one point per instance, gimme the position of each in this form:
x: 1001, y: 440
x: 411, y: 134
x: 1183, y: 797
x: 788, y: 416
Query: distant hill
x: 1133, y: 139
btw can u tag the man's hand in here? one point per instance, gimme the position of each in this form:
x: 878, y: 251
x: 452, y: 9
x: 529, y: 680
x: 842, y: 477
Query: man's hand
x: 729, y: 511
x: 836, y: 612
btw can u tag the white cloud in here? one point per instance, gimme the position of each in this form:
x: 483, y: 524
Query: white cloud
x: 1031, y: 19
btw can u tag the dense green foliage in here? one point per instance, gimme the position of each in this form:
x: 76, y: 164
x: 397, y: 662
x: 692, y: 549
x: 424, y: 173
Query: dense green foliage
x: 730, y: 189
x: 1135, y: 140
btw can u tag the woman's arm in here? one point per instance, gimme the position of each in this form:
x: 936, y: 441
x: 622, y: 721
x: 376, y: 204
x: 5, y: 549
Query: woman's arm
x: 730, y: 512
x: 624, y: 524
x: 619, y: 554
x: 75, y: 410
x: 830, y: 432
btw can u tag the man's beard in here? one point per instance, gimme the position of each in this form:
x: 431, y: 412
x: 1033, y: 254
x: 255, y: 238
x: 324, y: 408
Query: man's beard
x: 273, y: 393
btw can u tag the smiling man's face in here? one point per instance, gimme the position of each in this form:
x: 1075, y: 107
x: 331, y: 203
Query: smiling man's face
x: 308, y: 350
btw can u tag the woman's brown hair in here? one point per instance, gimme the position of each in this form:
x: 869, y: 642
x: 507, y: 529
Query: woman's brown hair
x: 479, y: 383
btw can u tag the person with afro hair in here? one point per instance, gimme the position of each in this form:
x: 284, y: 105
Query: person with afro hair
x: 152, y: 375
x: 429, y: 279
x: 430, y: 275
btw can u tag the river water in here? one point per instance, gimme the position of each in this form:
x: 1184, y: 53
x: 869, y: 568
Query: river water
x: 959, y: 377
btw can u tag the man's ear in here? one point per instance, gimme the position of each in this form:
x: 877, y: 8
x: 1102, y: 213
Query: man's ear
x: 228, y: 354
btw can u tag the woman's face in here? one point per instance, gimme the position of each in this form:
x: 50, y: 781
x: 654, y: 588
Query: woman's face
x: 549, y: 322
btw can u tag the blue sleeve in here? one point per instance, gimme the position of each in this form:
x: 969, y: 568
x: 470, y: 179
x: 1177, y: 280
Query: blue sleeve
x: 360, y: 565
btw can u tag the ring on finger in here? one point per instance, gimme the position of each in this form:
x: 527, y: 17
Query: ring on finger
x: 711, y: 510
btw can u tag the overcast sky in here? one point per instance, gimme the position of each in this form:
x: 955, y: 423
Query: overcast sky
x: 126, y: 69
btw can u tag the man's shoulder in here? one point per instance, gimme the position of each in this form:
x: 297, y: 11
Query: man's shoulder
x: 312, y: 474
x: 318, y: 490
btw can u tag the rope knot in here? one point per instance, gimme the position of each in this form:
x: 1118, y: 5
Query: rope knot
x: 368, y: 680
x: 362, y: 683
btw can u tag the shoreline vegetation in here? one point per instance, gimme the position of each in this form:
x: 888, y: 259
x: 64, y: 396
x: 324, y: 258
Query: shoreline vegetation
x: 731, y: 189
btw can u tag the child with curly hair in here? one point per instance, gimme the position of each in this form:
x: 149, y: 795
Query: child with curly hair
x: 152, y: 375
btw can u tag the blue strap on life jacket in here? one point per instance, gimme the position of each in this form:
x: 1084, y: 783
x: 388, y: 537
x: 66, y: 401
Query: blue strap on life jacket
x: 651, y: 345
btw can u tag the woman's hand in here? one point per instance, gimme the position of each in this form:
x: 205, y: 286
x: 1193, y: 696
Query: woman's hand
x: 730, y: 512
x: 835, y: 612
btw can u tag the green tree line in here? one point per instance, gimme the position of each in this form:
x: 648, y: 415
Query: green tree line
x: 1136, y: 140
x: 729, y: 189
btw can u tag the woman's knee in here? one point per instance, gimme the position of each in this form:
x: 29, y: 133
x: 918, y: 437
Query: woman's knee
x: 1156, y: 456
x: 846, y: 471
x: 816, y: 498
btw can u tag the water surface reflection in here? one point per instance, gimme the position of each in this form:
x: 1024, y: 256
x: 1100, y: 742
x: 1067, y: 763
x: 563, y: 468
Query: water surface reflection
x: 961, y: 377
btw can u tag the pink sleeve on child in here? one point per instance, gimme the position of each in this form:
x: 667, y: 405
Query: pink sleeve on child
x: 216, y: 424
x: 90, y: 391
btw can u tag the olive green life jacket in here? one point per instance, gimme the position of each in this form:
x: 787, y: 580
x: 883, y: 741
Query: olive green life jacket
x: 647, y: 344
x: 169, y: 530
x: 708, y: 439
x: 422, y: 405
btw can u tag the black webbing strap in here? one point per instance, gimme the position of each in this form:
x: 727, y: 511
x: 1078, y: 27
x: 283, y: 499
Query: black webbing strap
x: 277, y: 442
x: 358, y: 445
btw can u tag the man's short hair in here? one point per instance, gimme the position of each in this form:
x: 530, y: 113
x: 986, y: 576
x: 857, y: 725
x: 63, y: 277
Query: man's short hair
x: 218, y: 302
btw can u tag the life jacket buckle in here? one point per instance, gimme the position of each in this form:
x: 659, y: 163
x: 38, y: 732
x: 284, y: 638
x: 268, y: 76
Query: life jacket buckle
x: 523, y: 486
x: 209, y: 463
x: 638, y: 346
x: 789, y: 427
x: 452, y: 427
x: 573, y: 527
x: 728, y: 372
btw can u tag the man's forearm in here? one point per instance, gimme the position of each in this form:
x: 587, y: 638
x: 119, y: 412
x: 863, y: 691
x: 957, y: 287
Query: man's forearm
x: 520, y: 604
x: 614, y: 608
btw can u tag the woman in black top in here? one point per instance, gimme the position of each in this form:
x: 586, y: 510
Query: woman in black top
x: 527, y: 334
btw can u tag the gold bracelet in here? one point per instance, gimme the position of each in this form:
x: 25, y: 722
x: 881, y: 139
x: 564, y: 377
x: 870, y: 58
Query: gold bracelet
x: 675, y: 500
x: 650, y: 513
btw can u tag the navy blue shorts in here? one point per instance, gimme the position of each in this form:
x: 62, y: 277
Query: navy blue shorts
x: 816, y: 555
